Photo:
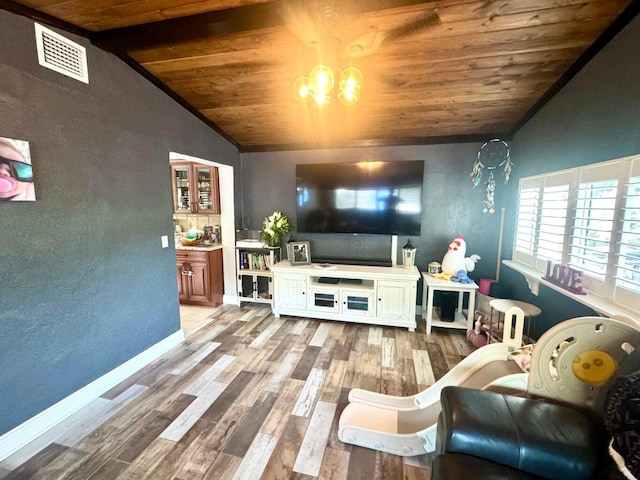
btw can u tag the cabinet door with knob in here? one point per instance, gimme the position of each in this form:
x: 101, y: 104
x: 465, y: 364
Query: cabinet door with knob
x: 359, y: 303
x: 182, y: 187
x: 200, y: 287
x: 255, y: 287
x: 396, y: 300
x: 195, y: 188
x: 324, y: 300
x: 353, y: 302
x: 290, y: 291
x: 182, y: 271
x: 199, y: 277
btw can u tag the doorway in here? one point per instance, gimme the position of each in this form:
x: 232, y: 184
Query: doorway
x: 196, y: 316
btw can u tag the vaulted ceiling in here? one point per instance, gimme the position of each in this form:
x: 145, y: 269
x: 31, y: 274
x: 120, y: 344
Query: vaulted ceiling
x: 434, y: 71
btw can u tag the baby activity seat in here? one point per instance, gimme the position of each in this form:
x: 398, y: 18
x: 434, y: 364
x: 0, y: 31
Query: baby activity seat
x: 407, y: 425
x: 570, y: 363
x: 578, y: 401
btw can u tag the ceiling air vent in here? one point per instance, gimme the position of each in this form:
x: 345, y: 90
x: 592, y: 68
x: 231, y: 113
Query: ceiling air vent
x: 61, y: 54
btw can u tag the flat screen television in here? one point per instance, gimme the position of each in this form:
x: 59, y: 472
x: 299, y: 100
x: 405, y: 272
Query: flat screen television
x: 364, y: 197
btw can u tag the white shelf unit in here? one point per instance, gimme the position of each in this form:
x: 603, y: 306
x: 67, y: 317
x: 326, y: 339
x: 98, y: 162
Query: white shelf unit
x: 253, y: 268
x: 430, y: 313
x: 352, y: 293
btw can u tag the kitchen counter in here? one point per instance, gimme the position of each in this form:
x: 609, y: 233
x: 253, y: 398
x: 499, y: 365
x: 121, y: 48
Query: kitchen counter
x: 201, y: 247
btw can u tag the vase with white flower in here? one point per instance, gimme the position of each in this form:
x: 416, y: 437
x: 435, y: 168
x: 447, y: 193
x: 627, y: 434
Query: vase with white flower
x: 274, y: 227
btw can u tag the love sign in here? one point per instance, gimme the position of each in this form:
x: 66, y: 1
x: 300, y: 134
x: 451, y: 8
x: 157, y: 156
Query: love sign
x: 565, y: 277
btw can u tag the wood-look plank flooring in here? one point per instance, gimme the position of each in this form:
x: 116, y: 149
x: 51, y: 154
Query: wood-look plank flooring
x: 246, y: 396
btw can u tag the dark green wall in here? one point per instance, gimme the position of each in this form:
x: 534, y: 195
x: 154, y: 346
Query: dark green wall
x: 451, y: 205
x: 595, y: 118
x: 85, y: 285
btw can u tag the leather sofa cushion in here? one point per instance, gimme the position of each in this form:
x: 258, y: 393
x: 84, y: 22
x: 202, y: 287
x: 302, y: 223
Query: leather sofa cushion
x: 541, y: 438
x: 450, y: 466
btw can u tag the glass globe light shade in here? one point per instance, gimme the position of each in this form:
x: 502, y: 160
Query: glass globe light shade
x: 350, y: 85
x: 321, y: 100
x: 321, y: 79
x: 302, y: 90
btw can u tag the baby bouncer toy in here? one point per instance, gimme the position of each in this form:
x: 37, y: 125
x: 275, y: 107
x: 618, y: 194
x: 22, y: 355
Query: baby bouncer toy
x: 571, y: 362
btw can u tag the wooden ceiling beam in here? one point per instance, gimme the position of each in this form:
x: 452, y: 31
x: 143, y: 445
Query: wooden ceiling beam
x: 376, y: 142
x: 218, y: 23
x: 42, y: 17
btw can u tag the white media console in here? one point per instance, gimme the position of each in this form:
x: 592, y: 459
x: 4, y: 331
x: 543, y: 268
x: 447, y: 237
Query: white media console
x: 351, y: 293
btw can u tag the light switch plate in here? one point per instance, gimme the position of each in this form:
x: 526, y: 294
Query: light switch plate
x: 165, y: 241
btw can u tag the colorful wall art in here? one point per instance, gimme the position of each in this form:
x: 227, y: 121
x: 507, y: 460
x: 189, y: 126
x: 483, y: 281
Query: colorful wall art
x: 16, y: 173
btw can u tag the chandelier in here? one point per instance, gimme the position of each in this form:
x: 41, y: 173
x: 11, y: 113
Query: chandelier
x: 317, y: 87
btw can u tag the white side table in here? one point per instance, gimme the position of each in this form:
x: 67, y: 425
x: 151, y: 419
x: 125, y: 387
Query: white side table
x: 431, y: 285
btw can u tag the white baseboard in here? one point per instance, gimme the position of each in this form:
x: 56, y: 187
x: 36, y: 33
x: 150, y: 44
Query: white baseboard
x: 24, y: 433
x: 230, y: 299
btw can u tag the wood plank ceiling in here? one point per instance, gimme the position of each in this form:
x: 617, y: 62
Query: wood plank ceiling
x: 435, y: 71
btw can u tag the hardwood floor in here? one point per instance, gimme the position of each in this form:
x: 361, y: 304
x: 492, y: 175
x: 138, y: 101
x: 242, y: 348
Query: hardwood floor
x: 194, y: 317
x: 246, y: 396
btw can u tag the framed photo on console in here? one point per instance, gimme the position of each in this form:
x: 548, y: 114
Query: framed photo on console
x: 300, y: 253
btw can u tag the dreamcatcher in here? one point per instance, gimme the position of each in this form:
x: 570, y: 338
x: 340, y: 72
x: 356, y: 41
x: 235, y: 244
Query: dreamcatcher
x: 492, y: 155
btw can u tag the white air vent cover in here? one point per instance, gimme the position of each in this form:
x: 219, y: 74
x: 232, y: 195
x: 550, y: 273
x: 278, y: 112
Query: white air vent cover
x: 61, y: 54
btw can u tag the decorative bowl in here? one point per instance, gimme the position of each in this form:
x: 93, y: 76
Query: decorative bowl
x: 190, y: 242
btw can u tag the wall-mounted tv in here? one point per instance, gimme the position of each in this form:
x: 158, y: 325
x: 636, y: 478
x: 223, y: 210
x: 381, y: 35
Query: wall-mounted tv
x: 364, y: 197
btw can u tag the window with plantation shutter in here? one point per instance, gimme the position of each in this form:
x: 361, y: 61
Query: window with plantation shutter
x: 543, y: 207
x: 628, y: 265
x: 526, y: 234
x: 528, y: 202
x: 553, y: 219
x: 593, y: 227
x: 589, y: 219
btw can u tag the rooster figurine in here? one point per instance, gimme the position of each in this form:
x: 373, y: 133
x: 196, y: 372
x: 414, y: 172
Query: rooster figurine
x: 454, y: 260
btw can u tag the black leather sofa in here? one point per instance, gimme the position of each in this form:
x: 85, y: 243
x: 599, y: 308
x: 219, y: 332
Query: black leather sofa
x: 490, y: 435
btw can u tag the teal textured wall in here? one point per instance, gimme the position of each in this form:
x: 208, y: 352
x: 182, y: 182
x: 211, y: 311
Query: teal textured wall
x: 85, y: 283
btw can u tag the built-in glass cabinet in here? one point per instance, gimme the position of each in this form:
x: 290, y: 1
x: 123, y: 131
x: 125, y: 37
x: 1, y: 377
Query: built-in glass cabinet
x: 195, y: 188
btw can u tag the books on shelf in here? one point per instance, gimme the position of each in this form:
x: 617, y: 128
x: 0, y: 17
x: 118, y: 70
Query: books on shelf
x: 256, y: 260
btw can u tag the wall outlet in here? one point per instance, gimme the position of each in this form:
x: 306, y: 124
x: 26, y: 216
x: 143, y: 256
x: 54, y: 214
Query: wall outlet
x: 165, y: 241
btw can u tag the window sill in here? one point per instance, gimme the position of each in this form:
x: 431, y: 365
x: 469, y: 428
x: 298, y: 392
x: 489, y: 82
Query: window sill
x: 604, y: 307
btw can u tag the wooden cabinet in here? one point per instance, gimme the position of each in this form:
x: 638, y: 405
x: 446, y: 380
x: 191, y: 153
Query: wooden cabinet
x: 255, y: 282
x: 199, y: 277
x: 196, y: 188
x: 375, y: 295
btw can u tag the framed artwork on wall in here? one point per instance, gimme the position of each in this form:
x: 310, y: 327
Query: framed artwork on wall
x: 300, y: 253
x: 16, y: 173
